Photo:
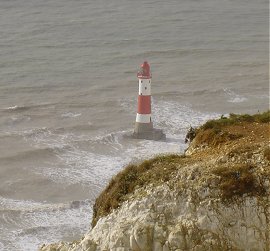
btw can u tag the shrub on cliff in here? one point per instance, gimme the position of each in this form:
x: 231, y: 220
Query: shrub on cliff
x: 238, y: 180
x: 153, y: 171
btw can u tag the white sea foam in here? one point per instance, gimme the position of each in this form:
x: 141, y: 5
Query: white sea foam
x: 47, y: 137
x: 11, y: 204
x: 12, y: 107
x: 234, y: 97
x: 70, y: 115
x: 17, y: 119
x: 175, y: 118
x: 48, y: 223
x: 83, y: 167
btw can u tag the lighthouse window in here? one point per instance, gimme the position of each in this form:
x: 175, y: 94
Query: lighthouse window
x: 145, y: 88
x: 149, y: 81
x: 150, y: 119
x: 141, y: 81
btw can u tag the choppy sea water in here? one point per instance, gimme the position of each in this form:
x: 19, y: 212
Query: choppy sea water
x: 68, y: 92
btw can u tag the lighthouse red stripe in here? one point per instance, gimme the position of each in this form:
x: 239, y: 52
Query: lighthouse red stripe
x: 144, y: 104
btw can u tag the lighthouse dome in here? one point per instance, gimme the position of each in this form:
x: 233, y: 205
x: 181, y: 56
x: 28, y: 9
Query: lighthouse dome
x: 144, y: 71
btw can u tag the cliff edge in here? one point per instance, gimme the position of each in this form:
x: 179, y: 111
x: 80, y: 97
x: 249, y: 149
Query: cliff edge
x: 214, y: 197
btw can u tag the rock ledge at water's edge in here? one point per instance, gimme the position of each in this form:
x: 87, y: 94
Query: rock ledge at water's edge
x: 215, y: 197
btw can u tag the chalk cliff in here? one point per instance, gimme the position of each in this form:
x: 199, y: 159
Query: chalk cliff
x: 215, y: 197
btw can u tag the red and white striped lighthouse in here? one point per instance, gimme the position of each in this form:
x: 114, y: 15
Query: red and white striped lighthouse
x: 143, y: 119
x: 144, y: 125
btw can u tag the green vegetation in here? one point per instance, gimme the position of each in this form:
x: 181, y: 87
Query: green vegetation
x: 153, y: 171
x: 235, y: 119
x: 237, y: 181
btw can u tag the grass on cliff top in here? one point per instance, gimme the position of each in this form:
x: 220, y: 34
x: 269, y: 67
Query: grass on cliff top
x: 238, y: 180
x: 214, y: 132
x: 235, y: 119
x: 153, y: 171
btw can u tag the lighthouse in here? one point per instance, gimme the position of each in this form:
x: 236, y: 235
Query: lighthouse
x: 144, y: 125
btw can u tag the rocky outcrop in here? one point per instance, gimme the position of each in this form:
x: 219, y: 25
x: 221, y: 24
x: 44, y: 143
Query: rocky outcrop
x: 217, y: 200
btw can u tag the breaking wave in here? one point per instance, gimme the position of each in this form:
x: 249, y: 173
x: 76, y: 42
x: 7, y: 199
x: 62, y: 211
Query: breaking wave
x: 22, y: 108
x: 234, y: 97
x: 70, y: 115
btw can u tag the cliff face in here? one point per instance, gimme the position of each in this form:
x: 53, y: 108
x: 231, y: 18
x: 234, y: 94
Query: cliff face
x: 216, y: 197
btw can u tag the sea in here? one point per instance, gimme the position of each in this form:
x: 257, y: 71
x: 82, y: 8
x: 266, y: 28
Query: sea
x: 68, y: 96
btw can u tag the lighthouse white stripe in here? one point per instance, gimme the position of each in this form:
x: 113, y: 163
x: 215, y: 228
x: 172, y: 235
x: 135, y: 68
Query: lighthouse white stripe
x: 143, y: 118
x: 144, y: 87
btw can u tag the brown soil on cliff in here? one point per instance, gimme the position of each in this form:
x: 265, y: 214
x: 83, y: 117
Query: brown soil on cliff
x: 235, y: 151
x: 236, y: 128
x: 245, y: 136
